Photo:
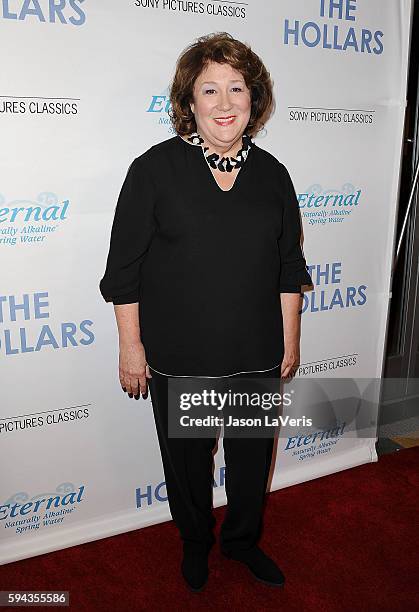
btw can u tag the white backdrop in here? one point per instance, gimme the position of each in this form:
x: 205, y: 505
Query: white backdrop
x: 83, y: 92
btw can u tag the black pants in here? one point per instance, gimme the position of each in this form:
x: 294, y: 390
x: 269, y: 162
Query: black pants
x: 188, y: 469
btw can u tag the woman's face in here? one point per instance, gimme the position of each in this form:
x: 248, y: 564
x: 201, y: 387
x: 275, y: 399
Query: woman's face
x: 221, y: 105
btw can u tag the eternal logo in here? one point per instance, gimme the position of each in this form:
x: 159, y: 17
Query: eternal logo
x: 325, y: 206
x: 34, y: 213
x: 33, y: 223
x: 160, y: 105
x: 13, y: 510
x: 316, y: 437
x: 319, y: 198
x: 52, y: 11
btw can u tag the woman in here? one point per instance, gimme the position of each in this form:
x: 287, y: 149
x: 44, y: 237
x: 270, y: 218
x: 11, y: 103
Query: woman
x: 206, y: 237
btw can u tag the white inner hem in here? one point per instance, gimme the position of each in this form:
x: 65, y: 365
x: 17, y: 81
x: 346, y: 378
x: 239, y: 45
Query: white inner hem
x: 222, y: 376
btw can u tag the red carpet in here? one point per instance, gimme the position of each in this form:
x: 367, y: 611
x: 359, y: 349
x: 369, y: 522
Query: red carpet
x: 345, y: 542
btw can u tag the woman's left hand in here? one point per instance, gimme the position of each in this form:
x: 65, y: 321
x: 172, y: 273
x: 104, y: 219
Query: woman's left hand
x: 291, y: 360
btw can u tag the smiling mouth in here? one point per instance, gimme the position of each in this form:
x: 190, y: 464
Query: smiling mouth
x: 224, y: 120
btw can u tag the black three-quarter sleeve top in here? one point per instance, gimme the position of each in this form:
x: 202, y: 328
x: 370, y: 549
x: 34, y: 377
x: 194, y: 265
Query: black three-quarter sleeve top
x: 206, y: 265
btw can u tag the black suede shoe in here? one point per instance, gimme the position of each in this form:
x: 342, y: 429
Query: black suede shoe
x: 261, y: 566
x: 195, y: 569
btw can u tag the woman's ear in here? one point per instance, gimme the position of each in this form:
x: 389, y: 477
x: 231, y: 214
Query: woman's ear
x: 192, y: 105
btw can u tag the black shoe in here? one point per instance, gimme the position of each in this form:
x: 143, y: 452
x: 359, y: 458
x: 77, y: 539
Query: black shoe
x: 195, y: 569
x: 262, y: 567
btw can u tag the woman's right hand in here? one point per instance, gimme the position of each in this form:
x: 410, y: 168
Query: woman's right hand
x: 133, y: 368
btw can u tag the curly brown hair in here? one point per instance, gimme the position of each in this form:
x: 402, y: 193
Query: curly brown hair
x: 222, y: 48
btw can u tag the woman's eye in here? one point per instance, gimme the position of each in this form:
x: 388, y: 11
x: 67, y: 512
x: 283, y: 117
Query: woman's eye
x: 238, y: 88
x: 208, y: 90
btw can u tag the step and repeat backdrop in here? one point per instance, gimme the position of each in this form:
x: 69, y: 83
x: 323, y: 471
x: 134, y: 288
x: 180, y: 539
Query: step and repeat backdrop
x: 83, y: 91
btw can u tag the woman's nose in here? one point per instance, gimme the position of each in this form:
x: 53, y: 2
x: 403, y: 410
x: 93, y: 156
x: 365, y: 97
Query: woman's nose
x: 224, y: 101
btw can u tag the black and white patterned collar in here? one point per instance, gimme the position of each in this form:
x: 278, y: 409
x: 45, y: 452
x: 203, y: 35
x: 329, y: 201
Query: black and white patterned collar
x: 214, y: 160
